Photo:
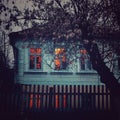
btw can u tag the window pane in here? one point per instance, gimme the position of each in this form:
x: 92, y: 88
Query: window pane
x: 85, y: 62
x: 83, y: 51
x: 82, y: 62
x: 35, y: 60
x: 32, y: 62
x: 35, y: 50
x: 60, y: 59
x: 32, y: 51
x: 38, y: 50
x: 57, y: 63
x: 38, y: 62
x: 63, y: 62
x: 88, y: 63
x: 59, y: 51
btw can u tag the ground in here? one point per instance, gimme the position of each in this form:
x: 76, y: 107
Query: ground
x: 50, y: 115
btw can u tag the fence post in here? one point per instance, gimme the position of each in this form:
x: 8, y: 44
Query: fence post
x: 50, y: 99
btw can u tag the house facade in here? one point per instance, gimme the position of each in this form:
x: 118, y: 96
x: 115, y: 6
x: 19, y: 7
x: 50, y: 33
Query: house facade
x: 57, y: 75
x: 52, y: 63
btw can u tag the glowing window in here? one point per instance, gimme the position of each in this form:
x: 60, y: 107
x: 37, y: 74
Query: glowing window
x: 60, y: 59
x: 35, y: 58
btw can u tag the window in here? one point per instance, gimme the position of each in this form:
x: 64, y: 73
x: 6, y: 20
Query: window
x: 85, y: 63
x: 35, y: 58
x: 60, y: 59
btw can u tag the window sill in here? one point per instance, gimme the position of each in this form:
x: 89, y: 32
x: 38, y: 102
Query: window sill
x: 86, y: 72
x: 59, y: 72
x: 35, y: 73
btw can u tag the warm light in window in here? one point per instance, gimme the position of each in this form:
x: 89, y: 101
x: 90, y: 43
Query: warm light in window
x: 35, y: 58
x: 35, y: 50
x: 57, y: 63
x: 39, y: 59
x: 38, y: 51
x: 59, y: 50
x: 32, y: 50
x: 60, y: 58
x: 83, y: 51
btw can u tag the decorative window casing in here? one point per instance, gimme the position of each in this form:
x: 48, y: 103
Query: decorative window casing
x: 60, y: 59
x: 35, y: 58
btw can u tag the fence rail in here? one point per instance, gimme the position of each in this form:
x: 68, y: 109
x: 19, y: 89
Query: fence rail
x: 57, y: 97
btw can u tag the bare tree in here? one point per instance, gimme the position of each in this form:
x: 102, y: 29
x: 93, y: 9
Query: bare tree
x: 73, y: 20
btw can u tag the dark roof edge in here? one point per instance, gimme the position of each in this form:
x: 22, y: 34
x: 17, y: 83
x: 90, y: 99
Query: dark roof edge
x: 13, y: 37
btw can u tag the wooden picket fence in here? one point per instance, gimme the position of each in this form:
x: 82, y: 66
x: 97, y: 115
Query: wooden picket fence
x: 9, y: 102
x: 56, y: 98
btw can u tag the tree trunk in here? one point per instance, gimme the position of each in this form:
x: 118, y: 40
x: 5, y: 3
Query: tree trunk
x: 106, y: 76
x: 98, y: 64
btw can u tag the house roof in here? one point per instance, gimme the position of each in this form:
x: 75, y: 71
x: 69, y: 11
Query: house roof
x: 47, y: 31
x: 44, y: 33
x: 31, y: 33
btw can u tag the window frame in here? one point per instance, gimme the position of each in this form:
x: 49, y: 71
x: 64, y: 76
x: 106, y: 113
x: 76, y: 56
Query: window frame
x: 35, y: 60
x: 61, y: 61
x: 85, y: 54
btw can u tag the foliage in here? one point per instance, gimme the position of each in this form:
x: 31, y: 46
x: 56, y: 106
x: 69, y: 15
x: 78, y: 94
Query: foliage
x: 72, y: 21
x: 65, y: 20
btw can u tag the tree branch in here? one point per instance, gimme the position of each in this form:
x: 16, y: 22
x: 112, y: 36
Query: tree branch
x: 106, y: 76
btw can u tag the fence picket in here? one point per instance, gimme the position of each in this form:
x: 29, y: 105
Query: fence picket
x: 62, y: 97
x: 59, y: 98
x: 47, y: 97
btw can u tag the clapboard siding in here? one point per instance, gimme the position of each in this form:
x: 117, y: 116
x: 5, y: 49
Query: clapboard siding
x: 54, y: 78
x: 72, y: 75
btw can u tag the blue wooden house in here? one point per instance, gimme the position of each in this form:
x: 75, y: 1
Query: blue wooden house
x: 56, y: 74
x: 51, y: 63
